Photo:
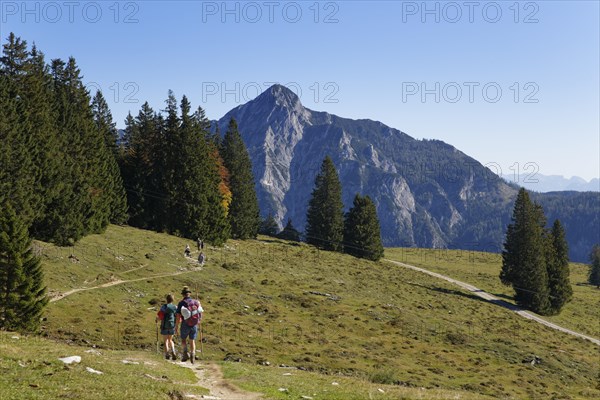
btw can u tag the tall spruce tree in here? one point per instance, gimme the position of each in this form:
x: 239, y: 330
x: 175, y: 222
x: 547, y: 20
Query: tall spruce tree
x: 197, y: 211
x: 166, y: 162
x: 524, y: 256
x: 22, y: 290
x: 362, y: 234
x: 46, y: 151
x: 594, y: 274
x: 243, y: 211
x: 559, y: 285
x: 141, y: 165
x: 93, y: 159
x: 64, y: 219
x: 17, y: 144
x: 111, y: 182
x: 215, y: 226
x: 325, y: 215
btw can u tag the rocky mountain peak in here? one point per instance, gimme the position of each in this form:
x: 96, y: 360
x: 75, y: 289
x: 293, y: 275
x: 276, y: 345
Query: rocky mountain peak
x: 281, y: 96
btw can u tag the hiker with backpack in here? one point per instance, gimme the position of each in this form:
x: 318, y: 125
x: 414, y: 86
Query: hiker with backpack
x: 166, y: 315
x: 201, y: 258
x: 189, y: 316
x: 187, y: 250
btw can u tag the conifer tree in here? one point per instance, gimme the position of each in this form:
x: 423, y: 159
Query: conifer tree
x: 524, y: 256
x: 22, y: 290
x: 224, y: 190
x: 269, y: 226
x: 216, y: 138
x: 142, y: 164
x: 559, y: 285
x: 362, y: 234
x: 289, y: 232
x: 594, y: 274
x: 243, y: 210
x: 166, y: 159
x: 325, y: 215
x: 16, y: 141
x: 111, y: 182
x: 172, y: 174
x: 104, y: 123
x: 93, y: 180
x: 64, y: 219
x: 198, y: 210
x: 215, y: 226
x: 46, y: 151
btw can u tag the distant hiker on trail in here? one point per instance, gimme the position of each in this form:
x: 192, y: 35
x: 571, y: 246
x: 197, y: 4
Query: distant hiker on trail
x: 201, y: 258
x: 187, y: 250
x: 189, y: 316
x: 200, y: 244
x: 166, y: 315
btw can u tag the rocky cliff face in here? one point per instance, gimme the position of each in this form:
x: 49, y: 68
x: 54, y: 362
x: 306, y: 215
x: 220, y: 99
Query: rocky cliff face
x: 427, y: 193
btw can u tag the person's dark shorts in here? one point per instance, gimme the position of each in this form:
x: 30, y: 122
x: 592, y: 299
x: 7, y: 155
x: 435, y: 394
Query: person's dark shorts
x: 188, y: 331
x: 167, y: 331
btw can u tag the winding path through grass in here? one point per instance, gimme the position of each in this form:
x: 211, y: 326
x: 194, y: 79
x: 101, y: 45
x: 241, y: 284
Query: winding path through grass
x: 210, y: 377
x: 493, y: 299
x: 60, y: 296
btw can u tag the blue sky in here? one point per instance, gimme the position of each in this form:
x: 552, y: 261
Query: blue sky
x: 508, y: 83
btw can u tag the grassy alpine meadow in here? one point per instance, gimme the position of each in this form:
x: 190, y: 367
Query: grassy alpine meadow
x: 285, y: 383
x: 481, y: 269
x: 30, y: 369
x: 273, y: 307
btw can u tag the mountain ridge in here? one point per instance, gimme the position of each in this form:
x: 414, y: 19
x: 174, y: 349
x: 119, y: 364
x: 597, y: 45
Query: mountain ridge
x: 553, y: 183
x: 427, y: 192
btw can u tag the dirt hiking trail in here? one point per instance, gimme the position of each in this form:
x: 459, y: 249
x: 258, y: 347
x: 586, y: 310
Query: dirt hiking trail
x: 493, y: 299
x: 210, y: 377
x: 59, y: 296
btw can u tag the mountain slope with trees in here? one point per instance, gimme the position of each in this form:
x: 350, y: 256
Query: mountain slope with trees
x: 427, y: 193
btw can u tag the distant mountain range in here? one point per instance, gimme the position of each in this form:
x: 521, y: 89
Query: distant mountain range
x: 552, y: 183
x: 427, y: 193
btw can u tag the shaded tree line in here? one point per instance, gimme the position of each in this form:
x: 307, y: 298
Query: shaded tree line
x: 58, y: 169
x: 183, y: 180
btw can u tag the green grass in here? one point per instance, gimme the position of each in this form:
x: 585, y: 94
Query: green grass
x: 30, y: 369
x: 265, y: 302
x: 582, y: 314
x: 333, y: 387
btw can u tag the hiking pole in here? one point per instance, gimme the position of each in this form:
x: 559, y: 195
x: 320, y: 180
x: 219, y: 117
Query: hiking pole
x: 198, y: 298
x: 201, y: 344
x: 157, y: 345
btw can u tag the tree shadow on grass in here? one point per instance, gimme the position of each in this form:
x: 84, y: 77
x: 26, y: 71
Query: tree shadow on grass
x: 503, y: 296
x: 498, y: 302
x: 455, y: 292
x: 446, y: 291
x: 280, y: 241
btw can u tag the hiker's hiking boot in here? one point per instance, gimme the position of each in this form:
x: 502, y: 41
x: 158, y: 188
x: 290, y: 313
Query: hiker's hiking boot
x: 185, y: 356
x: 173, y: 356
x: 167, y: 356
x: 193, y: 358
